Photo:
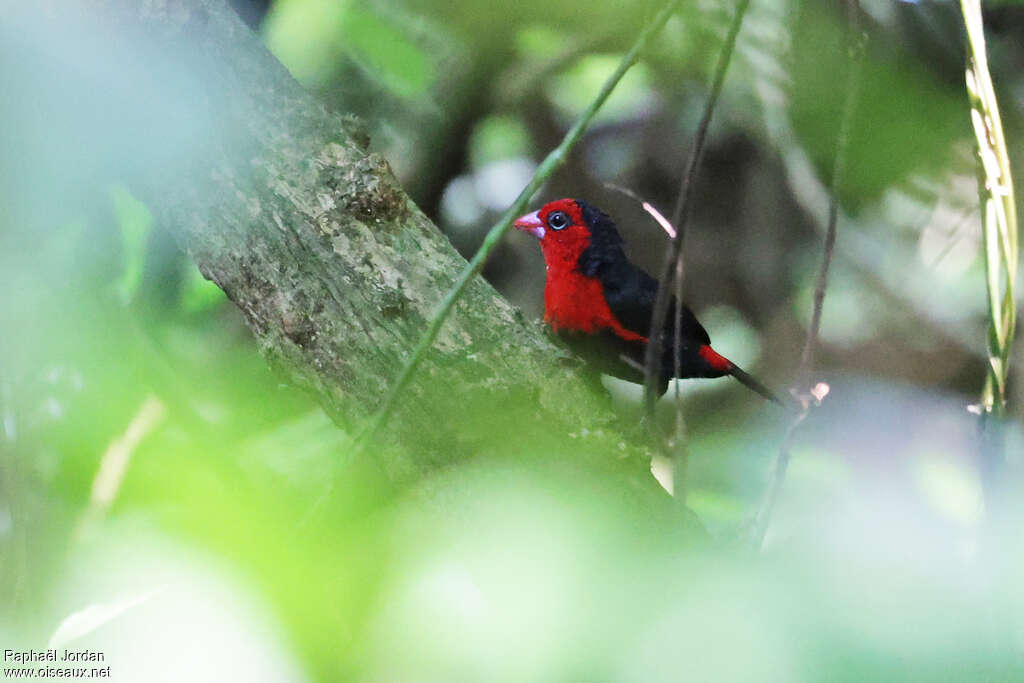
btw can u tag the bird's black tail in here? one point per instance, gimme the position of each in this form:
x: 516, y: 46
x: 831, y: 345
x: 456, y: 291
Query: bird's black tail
x: 754, y: 385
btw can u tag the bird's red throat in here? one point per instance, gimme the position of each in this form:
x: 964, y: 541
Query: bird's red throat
x: 574, y: 302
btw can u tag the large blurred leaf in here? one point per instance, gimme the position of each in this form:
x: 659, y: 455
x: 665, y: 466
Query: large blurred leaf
x: 314, y: 37
x: 906, y: 119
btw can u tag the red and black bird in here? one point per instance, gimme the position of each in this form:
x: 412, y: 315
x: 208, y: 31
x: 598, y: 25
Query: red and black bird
x: 602, y: 305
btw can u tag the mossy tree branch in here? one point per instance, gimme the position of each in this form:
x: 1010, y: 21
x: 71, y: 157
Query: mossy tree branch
x: 338, y: 274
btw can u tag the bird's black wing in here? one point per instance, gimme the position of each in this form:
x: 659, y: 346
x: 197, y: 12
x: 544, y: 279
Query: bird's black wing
x: 628, y: 290
x: 630, y: 294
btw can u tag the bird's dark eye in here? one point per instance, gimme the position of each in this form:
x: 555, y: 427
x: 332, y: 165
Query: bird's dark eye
x: 558, y: 220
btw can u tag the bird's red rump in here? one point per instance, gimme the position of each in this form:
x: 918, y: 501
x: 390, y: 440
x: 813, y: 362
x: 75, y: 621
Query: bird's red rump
x: 716, y: 361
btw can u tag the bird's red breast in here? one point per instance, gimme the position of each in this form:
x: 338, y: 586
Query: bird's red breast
x: 574, y: 302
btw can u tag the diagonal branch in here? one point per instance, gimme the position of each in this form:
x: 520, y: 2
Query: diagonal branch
x: 279, y: 202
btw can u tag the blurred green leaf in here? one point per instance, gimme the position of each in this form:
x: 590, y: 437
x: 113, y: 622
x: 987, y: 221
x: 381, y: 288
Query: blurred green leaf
x: 398, y: 61
x: 199, y: 294
x: 906, y: 118
x: 313, y: 37
x: 571, y: 91
x: 135, y: 222
x: 497, y: 138
x: 306, y: 36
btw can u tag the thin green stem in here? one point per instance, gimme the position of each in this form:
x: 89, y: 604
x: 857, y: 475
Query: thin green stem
x: 547, y: 167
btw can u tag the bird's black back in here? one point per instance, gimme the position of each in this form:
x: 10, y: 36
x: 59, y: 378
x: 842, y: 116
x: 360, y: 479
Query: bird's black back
x: 629, y: 291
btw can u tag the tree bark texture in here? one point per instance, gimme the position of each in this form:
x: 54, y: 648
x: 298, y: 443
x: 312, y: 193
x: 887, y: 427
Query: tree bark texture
x: 280, y: 203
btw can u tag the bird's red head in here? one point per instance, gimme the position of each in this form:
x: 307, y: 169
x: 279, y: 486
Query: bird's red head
x: 561, y: 229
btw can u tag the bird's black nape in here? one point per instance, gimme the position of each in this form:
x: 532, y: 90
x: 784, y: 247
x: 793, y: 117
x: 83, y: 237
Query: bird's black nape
x: 605, y: 240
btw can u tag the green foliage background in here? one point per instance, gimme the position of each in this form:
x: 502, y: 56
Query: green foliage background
x: 247, y: 542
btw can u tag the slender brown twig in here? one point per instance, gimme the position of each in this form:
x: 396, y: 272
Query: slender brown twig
x: 673, y: 270
x: 802, y: 386
x: 680, y: 212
